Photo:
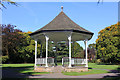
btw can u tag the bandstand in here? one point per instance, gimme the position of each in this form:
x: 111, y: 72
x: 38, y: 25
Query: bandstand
x: 61, y: 28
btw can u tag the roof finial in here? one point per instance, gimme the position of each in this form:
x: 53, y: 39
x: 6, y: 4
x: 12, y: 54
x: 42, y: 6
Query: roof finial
x: 61, y: 8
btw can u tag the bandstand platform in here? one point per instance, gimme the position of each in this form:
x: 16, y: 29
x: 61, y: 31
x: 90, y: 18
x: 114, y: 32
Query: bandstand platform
x: 61, y: 69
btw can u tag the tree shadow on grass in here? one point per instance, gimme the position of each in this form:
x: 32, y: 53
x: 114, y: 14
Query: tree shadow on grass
x: 15, y: 72
x: 90, y: 68
x: 109, y: 78
x: 51, y: 79
x: 113, y: 77
x: 117, y: 70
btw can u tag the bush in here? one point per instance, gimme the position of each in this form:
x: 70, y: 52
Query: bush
x: 5, y: 59
x: 98, y: 61
x: 0, y: 59
x: 93, y: 61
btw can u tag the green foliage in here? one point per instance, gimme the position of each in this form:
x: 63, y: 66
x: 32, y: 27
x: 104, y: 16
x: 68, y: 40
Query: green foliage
x: 5, y: 59
x: 20, y: 47
x: 92, y: 52
x: 17, y: 45
x: 108, y: 44
x: 93, y: 61
x: 11, y: 39
x: 77, y: 50
x: 60, y: 49
x: 92, y: 45
x: 63, y: 50
x: 98, y: 61
x: 26, y: 51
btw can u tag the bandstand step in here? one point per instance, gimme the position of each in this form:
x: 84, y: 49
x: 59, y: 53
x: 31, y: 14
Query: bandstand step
x: 58, y: 69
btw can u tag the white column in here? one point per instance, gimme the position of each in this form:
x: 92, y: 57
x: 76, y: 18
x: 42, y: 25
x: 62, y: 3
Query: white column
x: 35, y: 52
x: 62, y: 61
x: 69, y: 38
x: 86, y: 53
x: 47, y: 38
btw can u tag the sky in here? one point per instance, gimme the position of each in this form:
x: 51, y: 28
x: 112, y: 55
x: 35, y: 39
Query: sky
x: 31, y: 16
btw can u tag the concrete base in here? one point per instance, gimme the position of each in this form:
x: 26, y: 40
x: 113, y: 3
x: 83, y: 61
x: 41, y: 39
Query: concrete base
x: 43, y: 69
x: 60, y: 69
x: 75, y: 69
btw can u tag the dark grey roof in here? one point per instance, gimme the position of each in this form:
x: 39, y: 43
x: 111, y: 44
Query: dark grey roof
x: 62, y: 23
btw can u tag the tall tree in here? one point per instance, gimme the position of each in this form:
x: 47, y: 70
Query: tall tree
x: 18, y: 45
x: 108, y: 44
x: 91, y: 51
x: 27, y: 49
x: 60, y: 49
x: 10, y: 41
x: 77, y: 50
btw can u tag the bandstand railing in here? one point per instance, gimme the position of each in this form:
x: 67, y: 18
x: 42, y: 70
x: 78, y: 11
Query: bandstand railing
x: 65, y: 61
x: 74, y: 61
x: 42, y: 61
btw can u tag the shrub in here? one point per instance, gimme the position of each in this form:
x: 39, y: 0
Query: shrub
x: 93, y: 61
x: 5, y: 59
x: 0, y: 59
x: 98, y: 61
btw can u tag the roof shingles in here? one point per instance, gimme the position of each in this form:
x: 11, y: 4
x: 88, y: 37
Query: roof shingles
x: 62, y: 22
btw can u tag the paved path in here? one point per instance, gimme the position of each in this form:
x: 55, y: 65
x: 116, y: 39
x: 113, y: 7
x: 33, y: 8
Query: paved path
x: 11, y: 73
x: 58, y: 69
x: 60, y: 75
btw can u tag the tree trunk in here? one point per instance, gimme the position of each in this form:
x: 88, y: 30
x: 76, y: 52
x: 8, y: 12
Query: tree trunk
x: 7, y: 52
x: 41, y: 51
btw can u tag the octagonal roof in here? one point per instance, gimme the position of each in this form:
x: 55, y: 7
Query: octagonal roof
x: 63, y: 23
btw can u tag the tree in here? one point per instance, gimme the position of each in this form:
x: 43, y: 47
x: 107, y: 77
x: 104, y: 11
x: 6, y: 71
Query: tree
x: 27, y: 50
x: 9, y: 2
x: 60, y: 50
x: 10, y: 41
x: 99, y: 1
x: 108, y: 44
x: 17, y: 45
x: 77, y: 50
x: 91, y: 51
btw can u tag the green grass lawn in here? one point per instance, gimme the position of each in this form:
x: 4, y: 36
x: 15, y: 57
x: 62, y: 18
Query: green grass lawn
x: 91, y: 65
x: 17, y: 65
x: 98, y: 69
x: 91, y: 71
x: 110, y: 67
x: 28, y: 69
